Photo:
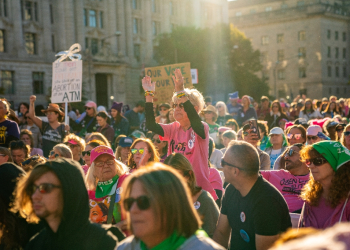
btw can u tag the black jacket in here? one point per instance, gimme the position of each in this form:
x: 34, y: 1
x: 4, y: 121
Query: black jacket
x: 75, y: 230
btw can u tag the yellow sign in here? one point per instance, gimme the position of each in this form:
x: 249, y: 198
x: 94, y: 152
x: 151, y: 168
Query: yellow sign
x: 162, y: 75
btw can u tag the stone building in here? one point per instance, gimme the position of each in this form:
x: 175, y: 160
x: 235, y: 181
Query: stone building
x: 304, y: 44
x: 117, y: 38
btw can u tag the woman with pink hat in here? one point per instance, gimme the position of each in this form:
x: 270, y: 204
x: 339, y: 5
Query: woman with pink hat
x: 103, y: 180
x: 89, y: 123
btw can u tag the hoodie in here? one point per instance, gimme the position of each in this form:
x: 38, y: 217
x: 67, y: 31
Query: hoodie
x: 75, y: 230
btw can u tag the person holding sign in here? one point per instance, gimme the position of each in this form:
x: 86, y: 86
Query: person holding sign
x: 188, y: 135
x: 53, y: 131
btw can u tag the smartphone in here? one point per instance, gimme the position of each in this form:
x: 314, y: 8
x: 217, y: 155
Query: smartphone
x: 253, y: 125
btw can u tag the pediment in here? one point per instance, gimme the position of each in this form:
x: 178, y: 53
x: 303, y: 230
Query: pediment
x: 4, y: 22
x: 32, y: 26
x: 95, y: 33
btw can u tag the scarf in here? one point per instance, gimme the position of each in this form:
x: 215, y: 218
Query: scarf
x: 335, y: 153
x: 104, y: 188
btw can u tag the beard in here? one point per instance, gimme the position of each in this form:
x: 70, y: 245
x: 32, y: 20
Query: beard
x: 292, y: 165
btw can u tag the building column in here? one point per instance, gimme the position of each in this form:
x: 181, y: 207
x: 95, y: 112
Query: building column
x: 110, y: 15
x: 18, y: 38
x: 79, y: 22
x: 129, y: 29
x: 121, y: 20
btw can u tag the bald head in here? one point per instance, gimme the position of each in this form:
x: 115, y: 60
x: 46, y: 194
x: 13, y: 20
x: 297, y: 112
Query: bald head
x: 243, y: 155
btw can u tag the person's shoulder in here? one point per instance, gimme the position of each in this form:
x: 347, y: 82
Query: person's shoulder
x: 10, y: 123
x: 199, y: 242
x: 266, y: 192
x: 130, y: 243
x: 205, y: 196
x: 36, y: 242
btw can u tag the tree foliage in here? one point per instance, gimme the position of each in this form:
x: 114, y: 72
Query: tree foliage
x: 224, y: 57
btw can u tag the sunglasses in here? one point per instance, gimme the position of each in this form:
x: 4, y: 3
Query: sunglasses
x: 295, y: 136
x: 312, y: 137
x: 87, y: 108
x: 102, y: 163
x: 346, y: 133
x: 52, y: 153
x: 181, y: 105
x: 44, y: 188
x: 71, y: 145
x: 143, y: 202
x: 339, y: 129
x: 290, y: 152
x: 157, y: 141
x: 134, y: 150
x: 86, y: 153
x: 223, y: 163
x: 316, y: 161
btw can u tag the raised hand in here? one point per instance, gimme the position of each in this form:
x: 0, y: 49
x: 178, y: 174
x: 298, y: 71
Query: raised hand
x: 32, y: 98
x: 178, y: 80
x: 148, y: 85
x: 144, y: 159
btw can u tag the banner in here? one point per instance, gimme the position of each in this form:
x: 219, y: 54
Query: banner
x: 162, y: 75
x: 67, y: 81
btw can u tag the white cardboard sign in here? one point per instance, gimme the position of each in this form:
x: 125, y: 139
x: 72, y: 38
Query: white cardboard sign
x: 194, y: 74
x: 67, y: 81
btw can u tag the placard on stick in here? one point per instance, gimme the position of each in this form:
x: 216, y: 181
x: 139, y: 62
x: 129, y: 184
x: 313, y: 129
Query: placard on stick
x: 164, y: 82
x: 67, y: 81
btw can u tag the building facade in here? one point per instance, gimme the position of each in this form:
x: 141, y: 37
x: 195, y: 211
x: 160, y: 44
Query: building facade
x: 304, y: 44
x: 117, y: 38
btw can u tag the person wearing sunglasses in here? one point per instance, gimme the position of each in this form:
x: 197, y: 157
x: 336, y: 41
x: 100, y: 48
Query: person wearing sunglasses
x: 312, y: 133
x: 223, y: 115
x: 86, y: 153
x: 123, y: 152
x: 19, y: 152
x: 142, y: 151
x: 188, y: 135
x: 158, y: 219
x: 89, y: 123
x: 161, y: 146
x: 291, y: 178
x: 61, y: 150
x: 53, y: 131
x: 308, y: 111
x: 104, y: 180
x: 163, y: 114
x: 55, y: 194
x: 345, y: 138
x: 296, y: 134
x: 76, y: 145
x: 253, y: 212
x: 327, y: 193
x: 9, y: 129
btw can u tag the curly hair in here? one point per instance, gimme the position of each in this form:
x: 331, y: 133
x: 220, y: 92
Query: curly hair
x: 75, y: 138
x: 342, y: 138
x: 151, y: 149
x: 30, y: 134
x: 313, y: 190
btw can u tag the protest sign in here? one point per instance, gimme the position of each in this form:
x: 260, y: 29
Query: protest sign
x: 162, y: 75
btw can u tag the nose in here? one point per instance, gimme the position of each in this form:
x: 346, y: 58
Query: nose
x: 36, y: 195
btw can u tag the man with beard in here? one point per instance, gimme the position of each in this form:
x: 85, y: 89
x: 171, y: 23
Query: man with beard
x: 290, y: 180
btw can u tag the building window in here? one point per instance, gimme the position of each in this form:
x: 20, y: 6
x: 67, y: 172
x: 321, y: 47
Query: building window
x: 329, y: 34
x: 2, y: 41
x: 280, y: 55
x: 344, y: 36
x: 302, y: 52
x: 137, y: 26
x: 86, y: 42
x: 329, y: 52
x: 3, y: 8
x: 281, y: 73
x: 94, y: 46
x: 267, y: 9
x: 302, y: 72
x: 280, y: 38
x: 136, y: 4
x: 329, y: 71
x: 345, y: 73
x: 336, y: 35
x: 137, y: 52
x: 154, y: 6
x: 344, y: 53
x: 30, y: 40
x: 337, y: 71
x: 53, y: 43
x: 101, y: 19
x: 30, y: 12
x: 302, y: 35
x: 263, y: 57
x: 85, y: 18
x: 7, y: 81
x: 264, y: 40
x: 336, y: 52
x: 92, y: 18
x: 51, y: 14
x: 155, y: 28
x: 38, y: 83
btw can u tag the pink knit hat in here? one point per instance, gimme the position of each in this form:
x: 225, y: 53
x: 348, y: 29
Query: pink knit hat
x: 100, y: 150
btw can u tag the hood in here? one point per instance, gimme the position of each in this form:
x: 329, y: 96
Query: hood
x: 75, y: 197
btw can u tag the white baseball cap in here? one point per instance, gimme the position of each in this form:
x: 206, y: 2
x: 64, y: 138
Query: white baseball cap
x: 313, y: 130
x: 276, y: 131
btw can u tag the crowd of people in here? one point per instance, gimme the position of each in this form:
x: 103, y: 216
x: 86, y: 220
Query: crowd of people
x: 188, y: 174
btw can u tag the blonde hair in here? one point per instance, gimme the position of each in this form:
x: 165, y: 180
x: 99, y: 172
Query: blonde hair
x: 64, y: 150
x: 171, y: 200
x: 6, y: 151
x: 91, y: 179
x: 75, y: 138
x: 222, y: 104
x: 195, y: 97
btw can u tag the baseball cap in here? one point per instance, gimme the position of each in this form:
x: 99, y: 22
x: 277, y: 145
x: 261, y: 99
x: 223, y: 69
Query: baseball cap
x: 138, y: 134
x: 276, y: 131
x: 126, y: 142
x: 91, y: 104
x: 313, y: 130
x: 100, y: 150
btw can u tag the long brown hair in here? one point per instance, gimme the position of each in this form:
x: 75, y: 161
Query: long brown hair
x: 336, y: 109
x: 313, y: 190
x: 303, y: 109
x: 279, y: 106
x: 151, y: 149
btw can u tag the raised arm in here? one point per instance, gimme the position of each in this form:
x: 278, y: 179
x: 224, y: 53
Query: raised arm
x: 149, y: 88
x: 37, y: 121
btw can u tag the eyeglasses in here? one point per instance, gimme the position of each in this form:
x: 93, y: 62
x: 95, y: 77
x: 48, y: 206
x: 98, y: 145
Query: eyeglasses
x: 44, y: 188
x: 346, y: 133
x: 143, y: 202
x: 86, y: 153
x: 290, y: 152
x: 223, y: 163
x: 102, y: 163
x: 295, y: 136
x: 163, y: 109
x: 157, y: 141
x: 87, y: 108
x: 52, y: 153
x: 181, y: 105
x: 134, y: 150
x: 312, y: 137
x: 316, y: 161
